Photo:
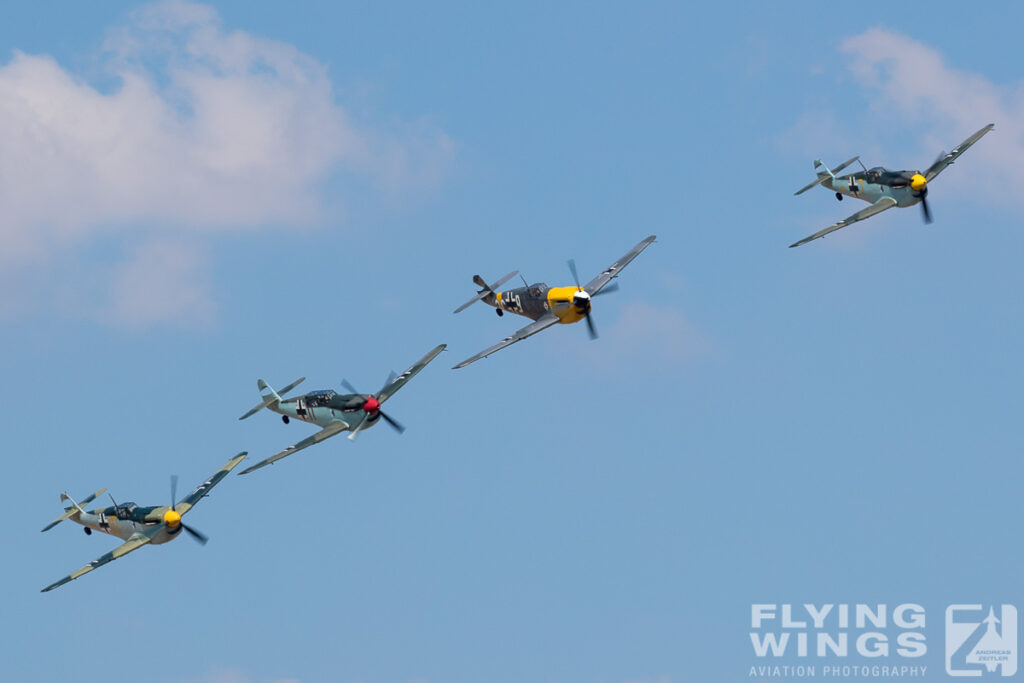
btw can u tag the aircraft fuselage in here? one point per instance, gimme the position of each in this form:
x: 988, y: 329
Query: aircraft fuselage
x: 324, y: 407
x: 538, y: 299
x: 874, y: 184
x: 107, y: 521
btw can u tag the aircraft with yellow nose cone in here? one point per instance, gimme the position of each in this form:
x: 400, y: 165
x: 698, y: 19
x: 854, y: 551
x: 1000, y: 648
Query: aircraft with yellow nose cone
x: 138, y: 526
x: 881, y: 188
x: 545, y: 305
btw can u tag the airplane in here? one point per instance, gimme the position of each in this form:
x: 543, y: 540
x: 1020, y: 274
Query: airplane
x: 333, y: 412
x: 138, y: 526
x: 546, y: 305
x: 881, y: 188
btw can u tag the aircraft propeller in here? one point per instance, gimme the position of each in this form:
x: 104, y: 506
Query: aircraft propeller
x: 919, y: 184
x: 370, y: 407
x: 581, y: 299
x: 172, y: 517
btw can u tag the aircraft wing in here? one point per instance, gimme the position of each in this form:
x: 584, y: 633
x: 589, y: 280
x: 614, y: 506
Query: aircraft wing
x: 878, y: 207
x: 399, y: 382
x: 327, y: 432
x: 136, y: 541
x: 595, y: 285
x: 946, y: 159
x: 542, y: 323
x: 203, y: 490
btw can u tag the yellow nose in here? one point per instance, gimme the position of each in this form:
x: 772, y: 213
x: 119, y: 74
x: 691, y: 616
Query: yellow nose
x: 918, y: 182
x: 172, y: 518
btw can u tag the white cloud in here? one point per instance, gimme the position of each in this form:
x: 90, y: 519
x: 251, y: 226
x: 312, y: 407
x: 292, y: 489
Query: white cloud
x: 910, y: 83
x: 162, y: 282
x: 205, y: 131
x: 658, y: 334
x: 917, y: 106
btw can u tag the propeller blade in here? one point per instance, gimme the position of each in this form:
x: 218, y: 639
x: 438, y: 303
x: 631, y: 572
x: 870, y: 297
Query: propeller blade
x: 359, y: 427
x: 391, y: 421
x: 607, y: 289
x: 575, y: 277
x: 590, y: 327
x: 391, y: 378
x: 195, y: 534
x: 924, y: 209
x: 174, y: 491
x: 351, y: 389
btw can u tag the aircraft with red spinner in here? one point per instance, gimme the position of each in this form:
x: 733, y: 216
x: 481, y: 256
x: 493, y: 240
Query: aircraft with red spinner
x: 334, y: 413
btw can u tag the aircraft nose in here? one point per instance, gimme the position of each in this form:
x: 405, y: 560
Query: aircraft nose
x: 918, y: 182
x: 172, y: 518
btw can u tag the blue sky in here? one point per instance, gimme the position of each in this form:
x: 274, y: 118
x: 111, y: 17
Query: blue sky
x: 193, y: 196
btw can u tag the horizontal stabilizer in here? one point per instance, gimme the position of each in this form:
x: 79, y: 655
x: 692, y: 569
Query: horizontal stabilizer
x: 75, y: 508
x: 843, y: 165
x: 272, y: 398
x: 291, y: 386
x: 825, y: 174
x: 485, y: 290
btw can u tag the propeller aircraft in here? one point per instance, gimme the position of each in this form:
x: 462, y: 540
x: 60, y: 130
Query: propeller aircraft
x: 881, y: 188
x: 333, y: 412
x: 545, y: 305
x: 138, y: 526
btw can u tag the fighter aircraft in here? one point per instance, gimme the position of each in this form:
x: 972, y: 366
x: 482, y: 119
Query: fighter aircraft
x: 332, y: 411
x: 546, y: 305
x: 881, y: 188
x: 138, y: 526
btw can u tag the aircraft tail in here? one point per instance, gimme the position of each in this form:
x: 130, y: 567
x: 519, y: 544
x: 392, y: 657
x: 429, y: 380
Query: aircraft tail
x: 73, y: 510
x: 272, y: 398
x: 824, y: 173
x: 486, y: 290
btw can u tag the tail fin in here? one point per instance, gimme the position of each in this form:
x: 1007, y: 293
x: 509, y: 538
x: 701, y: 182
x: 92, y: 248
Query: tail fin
x: 262, y: 385
x: 272, y: 398
x: 75, y: 508
x: 486, y: 290
x: 824, y: 173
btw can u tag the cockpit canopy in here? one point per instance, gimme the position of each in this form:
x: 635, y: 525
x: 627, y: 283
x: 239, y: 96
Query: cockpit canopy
x: 125, y: 510
x: 537, y: 287
x: 883, y: 176
x: 320, y: 397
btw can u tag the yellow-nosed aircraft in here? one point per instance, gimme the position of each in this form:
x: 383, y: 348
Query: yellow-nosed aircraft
x: 881, y: 188
x: 547, y: 305
x: 138, y: 526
